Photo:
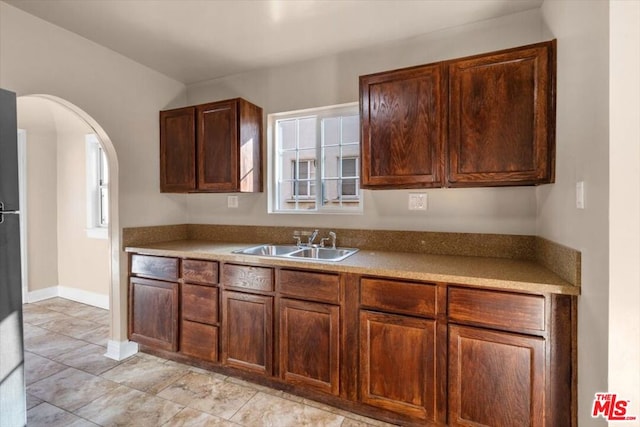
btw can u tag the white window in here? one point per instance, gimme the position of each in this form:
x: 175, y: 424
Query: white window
x: 97, y: 188
x: 314, y: 161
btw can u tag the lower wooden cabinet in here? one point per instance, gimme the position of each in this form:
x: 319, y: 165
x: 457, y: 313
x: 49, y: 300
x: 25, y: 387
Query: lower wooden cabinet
x: 247, y: 331
x: 153, y: 313
x: 310, y: 344
x: 199, y: 340
x: 398, y: 364
x: 495, y: 378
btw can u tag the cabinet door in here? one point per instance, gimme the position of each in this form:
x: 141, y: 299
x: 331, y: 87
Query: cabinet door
x: 495, y: 378
x: 310, y: 344
x: 199, y: 340
x: 177, y: 150
x: 398, y: 364
x: 217, y: 139
x: 501, y: 117
x: 402, y: 127
x: 153, y: 313
x: 247, y: 323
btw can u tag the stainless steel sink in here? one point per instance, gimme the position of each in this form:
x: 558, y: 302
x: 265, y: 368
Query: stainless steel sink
x: 324, y: 254
x: 268, y: 250
x: 296, y: 252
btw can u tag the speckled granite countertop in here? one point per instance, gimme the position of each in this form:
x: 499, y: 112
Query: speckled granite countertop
x: 497, y: 273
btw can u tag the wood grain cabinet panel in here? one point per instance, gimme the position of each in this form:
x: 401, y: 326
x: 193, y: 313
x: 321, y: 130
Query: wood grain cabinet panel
x: 416, y: 299
x: 177, y: 150
x: 495, y: 378
x: 213, y: 147
x: 247, y: 278
x: 201, y: 272
x: 501, y: 118
x: 200, y: 303
x: 153, y: 313
x: 247, y: 325
x: 199, y: 340
x: 155, y: 267
x: 485, y: 120
x: 398, y: 364
x: 503, y: 310
x: 310, y: 344
x: 402, y: 127
x: 310, y: 285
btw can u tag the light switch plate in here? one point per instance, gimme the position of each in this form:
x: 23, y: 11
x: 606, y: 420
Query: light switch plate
x: 417, y: 201
x: 232, y: 202
x: 580, y: 194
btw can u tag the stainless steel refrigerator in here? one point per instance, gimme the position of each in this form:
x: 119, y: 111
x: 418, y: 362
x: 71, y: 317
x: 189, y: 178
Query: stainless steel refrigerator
x: 12, y: 387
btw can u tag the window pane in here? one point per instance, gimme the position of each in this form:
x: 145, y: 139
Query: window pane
x: 287, y: 134
x: 350, y: 129
x: 104, y: 206
x: 298, y: 140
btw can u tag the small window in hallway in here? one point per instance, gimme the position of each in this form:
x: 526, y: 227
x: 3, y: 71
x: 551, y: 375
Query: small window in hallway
x: 97, y: 188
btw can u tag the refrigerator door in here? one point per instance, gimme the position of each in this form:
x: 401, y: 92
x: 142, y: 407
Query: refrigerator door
x: 12, y: 389
x: 8, y: 151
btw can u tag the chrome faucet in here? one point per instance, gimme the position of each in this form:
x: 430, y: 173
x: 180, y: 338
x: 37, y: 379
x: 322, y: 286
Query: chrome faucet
x: 332, y: 237
x: 311, y: 236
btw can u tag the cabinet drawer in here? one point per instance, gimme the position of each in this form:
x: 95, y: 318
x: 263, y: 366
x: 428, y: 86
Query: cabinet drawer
x: 504, y: 310
x: 247, y: 277
x: 308, y: 285
x: 155, y: 267
x: 197, y: 271
x: 200, y: 303
x: 417, y: 299
x: 199, y: 340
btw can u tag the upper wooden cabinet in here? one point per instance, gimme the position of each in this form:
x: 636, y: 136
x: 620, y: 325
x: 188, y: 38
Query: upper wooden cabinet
x: 486, y: 120
x: 214, y: 147
x: 402, y: 127
x: 501, y: 118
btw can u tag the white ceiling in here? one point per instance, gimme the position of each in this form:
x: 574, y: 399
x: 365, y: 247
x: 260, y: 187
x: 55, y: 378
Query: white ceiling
x: 196, y: 40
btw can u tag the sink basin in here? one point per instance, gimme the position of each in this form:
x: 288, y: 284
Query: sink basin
x: 268, y: 250
x: 293, y: 251
x: 323, y: 254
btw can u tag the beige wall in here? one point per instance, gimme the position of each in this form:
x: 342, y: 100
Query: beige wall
x: 334, y: 80
x: 83, y: 262
x: 41, y: 204
x: 624, y: 201
x: 582, y: 126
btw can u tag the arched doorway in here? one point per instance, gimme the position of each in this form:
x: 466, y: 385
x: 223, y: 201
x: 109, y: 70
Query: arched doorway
x: 62, y: 113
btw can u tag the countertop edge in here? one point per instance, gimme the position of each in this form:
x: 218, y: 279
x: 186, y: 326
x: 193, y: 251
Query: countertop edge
x: 223, y: 252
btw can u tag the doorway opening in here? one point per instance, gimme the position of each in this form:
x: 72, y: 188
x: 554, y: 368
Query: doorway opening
x: 66, y: 252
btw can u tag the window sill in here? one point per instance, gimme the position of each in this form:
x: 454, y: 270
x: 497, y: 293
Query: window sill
x: 98, y: 233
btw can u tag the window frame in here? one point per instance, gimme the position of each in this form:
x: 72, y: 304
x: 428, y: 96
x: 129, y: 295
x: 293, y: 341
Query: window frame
x: 352, y: 205
x: 97, y: 189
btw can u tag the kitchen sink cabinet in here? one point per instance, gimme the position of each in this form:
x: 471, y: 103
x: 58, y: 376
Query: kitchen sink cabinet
x: 486, y: 120
x: 213, y: 147
x: 401, y: 350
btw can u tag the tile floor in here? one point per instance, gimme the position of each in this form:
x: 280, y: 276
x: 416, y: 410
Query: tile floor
x: 71, y: 383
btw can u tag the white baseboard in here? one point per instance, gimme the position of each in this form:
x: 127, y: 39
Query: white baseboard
x: 74, y: 294
x: 120, y: 350
x: 42, y: 294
